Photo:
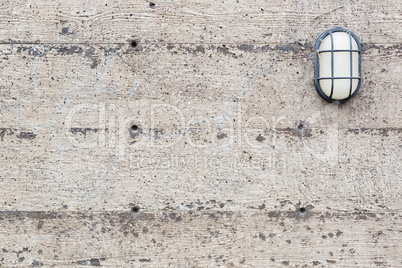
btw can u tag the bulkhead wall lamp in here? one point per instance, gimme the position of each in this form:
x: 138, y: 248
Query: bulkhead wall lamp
x: 337, y: 68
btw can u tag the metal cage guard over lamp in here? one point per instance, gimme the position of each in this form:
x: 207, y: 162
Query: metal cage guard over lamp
x: 337, y: 67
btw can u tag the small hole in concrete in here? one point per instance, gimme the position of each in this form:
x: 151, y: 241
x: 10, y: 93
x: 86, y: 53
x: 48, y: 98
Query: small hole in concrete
x: 152, y: 5
x: 300, y: 126
x: 134, y: 127
x: 302, y: 210
x: 134, y: 44
x: 135, y: 209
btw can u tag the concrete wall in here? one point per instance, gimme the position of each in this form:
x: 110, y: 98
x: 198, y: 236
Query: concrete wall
x: 233, y: 161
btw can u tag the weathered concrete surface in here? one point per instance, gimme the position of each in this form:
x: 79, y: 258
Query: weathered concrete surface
x: 204, y: 143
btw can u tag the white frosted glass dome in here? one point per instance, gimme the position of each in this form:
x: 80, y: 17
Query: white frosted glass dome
x: 337, y: 65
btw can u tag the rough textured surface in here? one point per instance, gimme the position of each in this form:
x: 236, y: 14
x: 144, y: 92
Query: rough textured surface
x: 189, y: 134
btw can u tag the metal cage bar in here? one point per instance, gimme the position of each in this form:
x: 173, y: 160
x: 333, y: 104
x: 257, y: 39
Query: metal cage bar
x: 332, y: 65
x: 338, y: 77
x: 340, y: 50
x: 351, y: 65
